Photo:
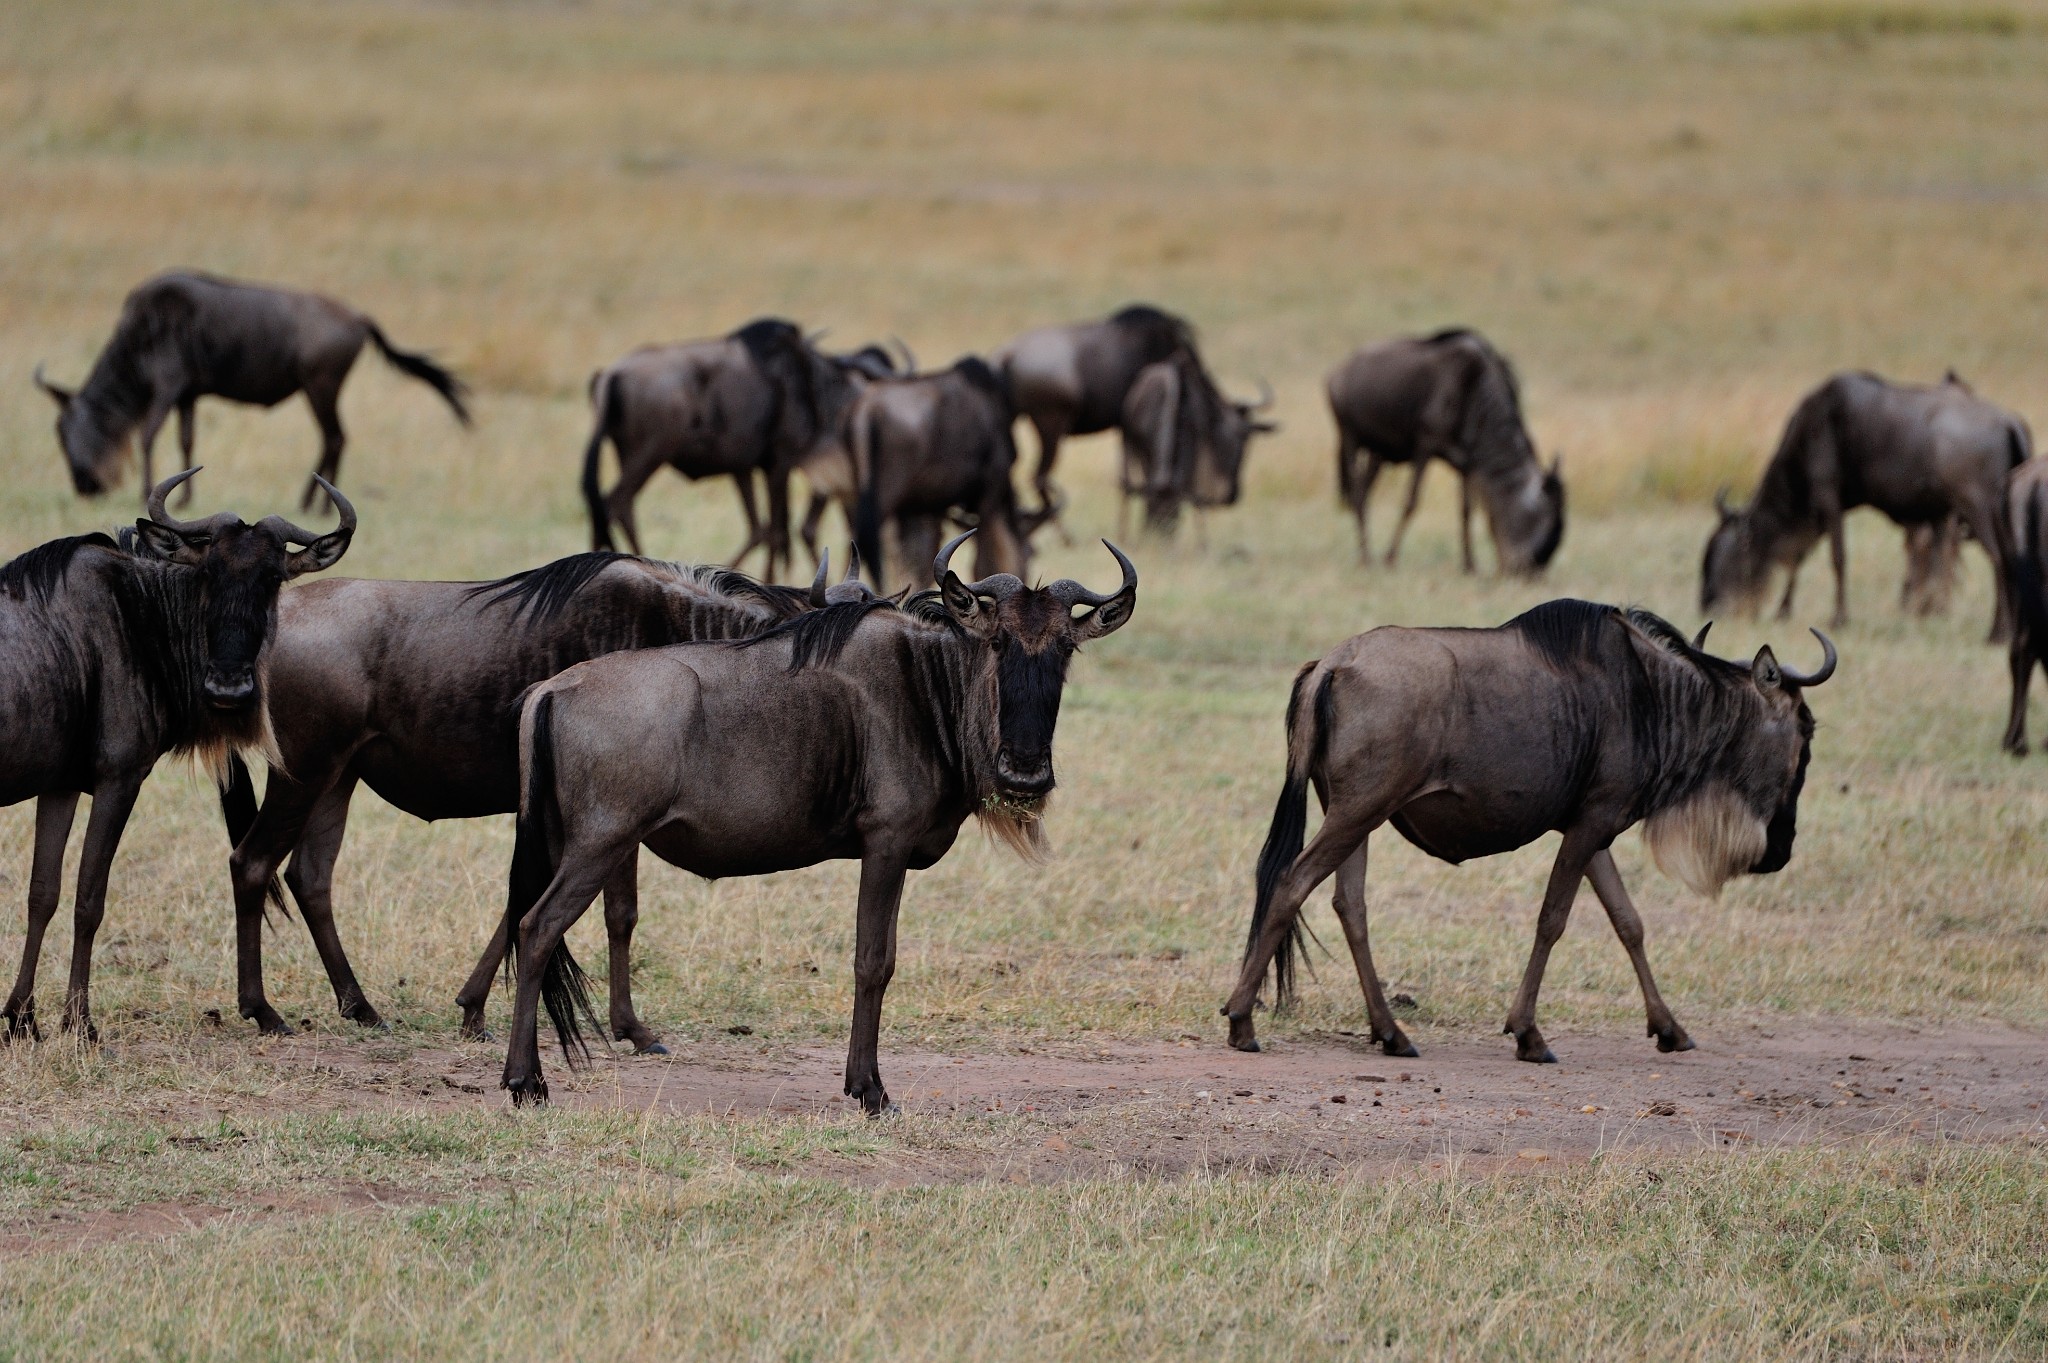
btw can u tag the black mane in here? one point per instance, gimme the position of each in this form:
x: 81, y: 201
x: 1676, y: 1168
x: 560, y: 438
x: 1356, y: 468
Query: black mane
x: 34, y: 574
x: 546, y: 591
x: 1566, y: 633
x: 817, y: 638
x: 1164, y: 330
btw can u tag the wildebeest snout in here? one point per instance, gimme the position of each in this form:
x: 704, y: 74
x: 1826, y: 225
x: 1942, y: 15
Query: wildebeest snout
x: 1024, y: 773
x: 230, y: 688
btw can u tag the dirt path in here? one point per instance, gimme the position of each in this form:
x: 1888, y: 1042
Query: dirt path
x: 1327, y: 1101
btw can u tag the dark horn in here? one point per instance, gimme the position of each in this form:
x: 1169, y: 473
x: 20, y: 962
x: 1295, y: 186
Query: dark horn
x: 1827, y: 666
x: 1074, y: 594
x: 818, y: 582
x: 1265, y: 395
x: 293, y: 534
x: 909, y: 358
x: 1699, y: 641
x: 946, y: 554
x: 155, y: 504
x: 852, y: 563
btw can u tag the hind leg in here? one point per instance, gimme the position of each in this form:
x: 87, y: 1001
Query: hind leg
x: 111, y: 806
x: 1408, y: 509
x: 54, y: 814
x: 187, y: 435
x: 581, y: 874
x: 1350, y: 905
x: 324, y: 397
x: 2021, y: 658
x: 1628, y: 926
x: 621, y: 913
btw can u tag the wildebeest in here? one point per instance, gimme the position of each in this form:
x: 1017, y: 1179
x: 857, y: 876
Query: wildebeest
x: 1450, y: 396
x: 1573, y: 717
x: 862, y: 730
x: 929, y: 444
x: 1183, y: 441
x: 1072, y: 380
x: 184, y: 336
x: 413, y: 688
x: 753, y: 402
x: 112, y: 655
x: 1918, y: 454
x: 2026, y: 511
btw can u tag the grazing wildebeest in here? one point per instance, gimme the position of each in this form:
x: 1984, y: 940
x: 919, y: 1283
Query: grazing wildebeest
x: 861, y: 730
x: 112, y: 655
x: 1072, y: 380
x: 1453, y: 397
x: 1918, y: 454
x: 753, y: 402
x: 931, y: 444
x: 2027, y: 521
x: 1574, y: 718
x: 185, y: 336
x: 1183, y: 441
x: 413, y: 688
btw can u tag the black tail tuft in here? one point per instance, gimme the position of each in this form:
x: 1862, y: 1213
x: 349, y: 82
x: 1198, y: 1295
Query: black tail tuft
x: 2027, y: 573
x: 238, y: 810
x: 867, y: 516
x: 564, y: 988
x: 453, y: 390
x: 1285, y: 837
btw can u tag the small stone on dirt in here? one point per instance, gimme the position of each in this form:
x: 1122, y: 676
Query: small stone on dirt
x: 1533, y: 1156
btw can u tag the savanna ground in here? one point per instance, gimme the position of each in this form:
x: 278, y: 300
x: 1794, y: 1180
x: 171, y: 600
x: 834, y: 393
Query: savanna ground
x: 1676, y: 217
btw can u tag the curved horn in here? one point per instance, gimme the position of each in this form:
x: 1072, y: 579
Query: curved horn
x: 818, y: 582
x: 1827, y: 666
x: 61, y: 396
x: 1265, y: 395
x: 155, y: 505
x: 1699, y: 641
x: 909, y: 357
x: 998, y: 585
x: 1721, y: 503
x: 1072, y: 593
x: 285, y: 530
x: 852, y: 564
x: 815, y: 337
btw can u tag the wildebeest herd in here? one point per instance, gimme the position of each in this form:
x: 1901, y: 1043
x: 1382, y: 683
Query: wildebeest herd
x: 736, y: 727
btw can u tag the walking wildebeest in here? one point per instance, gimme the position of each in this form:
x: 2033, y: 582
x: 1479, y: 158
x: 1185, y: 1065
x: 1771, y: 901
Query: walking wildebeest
x: 185, y: 336
x: 755, y: 401
x: 112, y: 655
x: 931, y: 444
x: 1072, y: 380
x: 1453, y: 397
x: 861, y: 730
x: 1574, y: 718
x: 2027, y: 521
x: 1183, y: 441
x: 414, y: 688
x: 1918, y: 454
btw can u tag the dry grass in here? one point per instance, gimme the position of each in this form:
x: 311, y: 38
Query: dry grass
x: 1677, y: 218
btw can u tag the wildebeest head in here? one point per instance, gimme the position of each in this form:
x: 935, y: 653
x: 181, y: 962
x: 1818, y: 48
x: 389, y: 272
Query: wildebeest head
x: 1734, y: 570
x: 1528, y: 522
x: 1032, y: 631
x: 241, y: 567
x: 1745, y: 815
x: 93, y: 437
x: 1217, y: 479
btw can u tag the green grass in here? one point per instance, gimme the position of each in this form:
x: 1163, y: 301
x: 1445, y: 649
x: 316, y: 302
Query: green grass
x: 1675, y: 222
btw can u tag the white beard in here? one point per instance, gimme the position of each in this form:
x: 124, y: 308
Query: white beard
x: 1707, y: 841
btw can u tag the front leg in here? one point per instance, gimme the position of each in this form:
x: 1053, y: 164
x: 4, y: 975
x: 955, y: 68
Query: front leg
x: 1408, y: 508
x: 874, y: 962
x: 187, y: 434
x: 45, y: 881
x: 152, y: 423
x: 111, y: 805
x: 1838, y: 556
x: 1628, y: 926
x: 1577, y: 851
x: 1465, y: 522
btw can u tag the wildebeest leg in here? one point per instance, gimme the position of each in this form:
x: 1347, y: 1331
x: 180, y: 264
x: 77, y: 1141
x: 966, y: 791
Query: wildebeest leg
x: 45, y: 884
x: 744, y: 482
x: 288, y: 804
x: 1983, y: 523
x: 1572, y: 857
x: 581, y: 874
x: 111, y: 805
x: 621, y: 912
x: 152, y: 423
x: 324, y: 397
x: 777, y: 527
x: 188, y: 434
x: 1350, y: 905
x: 2020, y: 657
x: 1628, y: 926
x: 1361, y: 505
x: 1465, y: 522
x: 1785, y: 602
x: 618, y: 503
x: 1051, y: 430
x: 311, y: 878
x: 476, y: 990
x: 874, y: 962
x: 1335, y: 841
x: 1408, y: 508
x: 1838, y: 556
x: 814, y: 517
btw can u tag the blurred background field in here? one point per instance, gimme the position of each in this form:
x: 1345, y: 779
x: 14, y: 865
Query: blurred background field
x: 1676, y: 218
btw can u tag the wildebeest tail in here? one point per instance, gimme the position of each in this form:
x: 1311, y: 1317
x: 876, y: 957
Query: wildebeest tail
x: 238, y: 811
x: 593, y: 496
x: 867, y: 515
x: 2026, y: 563
x: 1306, y: 734
x: 452, y: 389
x: 564, y: 989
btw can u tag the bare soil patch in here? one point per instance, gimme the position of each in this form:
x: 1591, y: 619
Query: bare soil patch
x: 69, y: 1229
x: 1326, y: 1101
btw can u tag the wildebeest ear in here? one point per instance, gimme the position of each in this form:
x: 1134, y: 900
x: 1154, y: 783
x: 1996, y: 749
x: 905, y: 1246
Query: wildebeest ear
x: 61, y: 396
x: 965, y: 607
x: 324, y: 552
x: 160, y: 541
x: 1765, y: 671
x: 1107, y: 618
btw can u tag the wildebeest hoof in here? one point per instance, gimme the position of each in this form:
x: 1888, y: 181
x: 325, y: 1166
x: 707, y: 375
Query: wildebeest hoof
x: 651, y: 1048
x: 1244, y: 1036
x: 22, y: 1026
x: 1673, y: 1040
x: 1531, y: 1047
x: 1399, y: 1045
x: 887, y: 1109
x: 525, y: 1092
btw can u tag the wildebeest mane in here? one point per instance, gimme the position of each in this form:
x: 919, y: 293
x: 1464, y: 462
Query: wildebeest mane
x: 817, y: 638
x: 545, y: 592
x: 976, y: 371
x: 1565, y: 633
x: 777, y: 348
x: 1163, y: 331
x: 34, y: 574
